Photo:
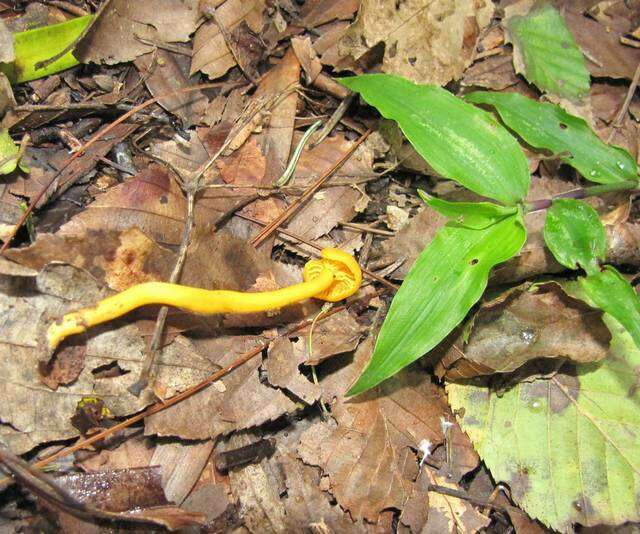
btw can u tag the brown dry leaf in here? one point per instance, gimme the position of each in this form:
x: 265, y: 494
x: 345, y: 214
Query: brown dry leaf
x: 449, y: 514
x: 368, y: 454
x: 426, y: 41
x: 336, y: 334
x: 211, y: 55
x: 165, y: 72
x: 181, y: 464
x: 32, y: 413
x: 114, y: 36
x: 282, y: 494
x: 522, y: 326
x: 152, y: 201
x: 606, y: 56
x: 123, y: 493
x: 7, y: 54
x: 131, y: 453
x: 494, y: 72
x: 236, y: 402
x: 318, y: 12
x: 276, y: 140
x: 282, y: 371
x: 120, y: 259
x: 331, y: 205
x: 307, y: 57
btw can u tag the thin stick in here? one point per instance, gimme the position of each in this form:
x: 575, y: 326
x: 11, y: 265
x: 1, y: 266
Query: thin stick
x: 617, y: 122
x: 92, y: 140
x: 271, y: 227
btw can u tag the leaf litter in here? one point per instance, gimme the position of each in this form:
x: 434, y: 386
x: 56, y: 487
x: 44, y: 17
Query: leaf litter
x: 113, y: 214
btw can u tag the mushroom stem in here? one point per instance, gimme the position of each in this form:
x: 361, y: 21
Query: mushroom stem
x: 333, y: 277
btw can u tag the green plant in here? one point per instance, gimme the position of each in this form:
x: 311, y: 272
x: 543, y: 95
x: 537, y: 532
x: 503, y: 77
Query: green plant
x: 467, y: 144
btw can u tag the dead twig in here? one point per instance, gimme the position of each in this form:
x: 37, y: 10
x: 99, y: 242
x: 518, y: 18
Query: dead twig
x: 617, y: 122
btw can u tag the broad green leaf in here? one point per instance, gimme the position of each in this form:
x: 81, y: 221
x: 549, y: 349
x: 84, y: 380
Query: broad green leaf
x: 567, y: 446
x: 446, y: 280
x: 477, y: 215
x: 574, y: 234
x: 9, y: 154
x: 34, y: 46
x: 547, y: 126
x: 609, y: 291
x: 459, y: 141
x: 546, y: 53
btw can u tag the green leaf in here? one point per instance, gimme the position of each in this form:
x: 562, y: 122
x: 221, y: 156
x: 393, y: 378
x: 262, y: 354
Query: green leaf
x: 567, y: 446
x: 547, y: 126
x: 40, y: 44
x: 446, y: 280
x: 612, y: 293
x: 9, y: 154
x: 546, y: 53
x: 459, y: 141
x: 477, y: 215
x: 574, y: 234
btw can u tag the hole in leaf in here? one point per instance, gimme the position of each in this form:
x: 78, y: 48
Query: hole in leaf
x: 474, y: 261
x: 563, y: 126
x: 109, y: 370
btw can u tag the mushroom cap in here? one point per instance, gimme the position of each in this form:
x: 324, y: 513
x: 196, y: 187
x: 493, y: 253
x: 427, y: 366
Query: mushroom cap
x: 346, y: 272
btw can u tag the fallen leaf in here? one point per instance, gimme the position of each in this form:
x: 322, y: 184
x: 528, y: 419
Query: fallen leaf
x: 307, y: 57
x: 114, y: 37
x: 494, y: 72
x: 368, y: 453
x: 282, y: 371
x: 152, y: 201
x: 236, y: 402
x: 166, y: 72
x: 568, y: 440
x: 334, y: 204
x: 425, y: 41
x: 527, y: 323
x: 315, y: 13
x: 211, y: 55
x: 606, y: 56
x: 43, y: 170
x: 132, y: 492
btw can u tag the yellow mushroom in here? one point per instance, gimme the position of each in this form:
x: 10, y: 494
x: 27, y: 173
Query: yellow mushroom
x: 333, y: 277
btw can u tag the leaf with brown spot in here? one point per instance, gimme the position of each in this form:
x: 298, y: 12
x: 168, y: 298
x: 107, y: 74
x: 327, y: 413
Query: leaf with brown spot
x: 152, y: 201
x: 525, y: 324
x: 567, y: 446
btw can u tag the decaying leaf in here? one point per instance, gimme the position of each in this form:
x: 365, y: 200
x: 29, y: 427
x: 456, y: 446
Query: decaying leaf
x: 236, y: 402
x: 368, y: 452
x: 425, y: 41
x: 211, y: 54
x: 569, y: 440
x: 126, y: 30
x: 523, y: 325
